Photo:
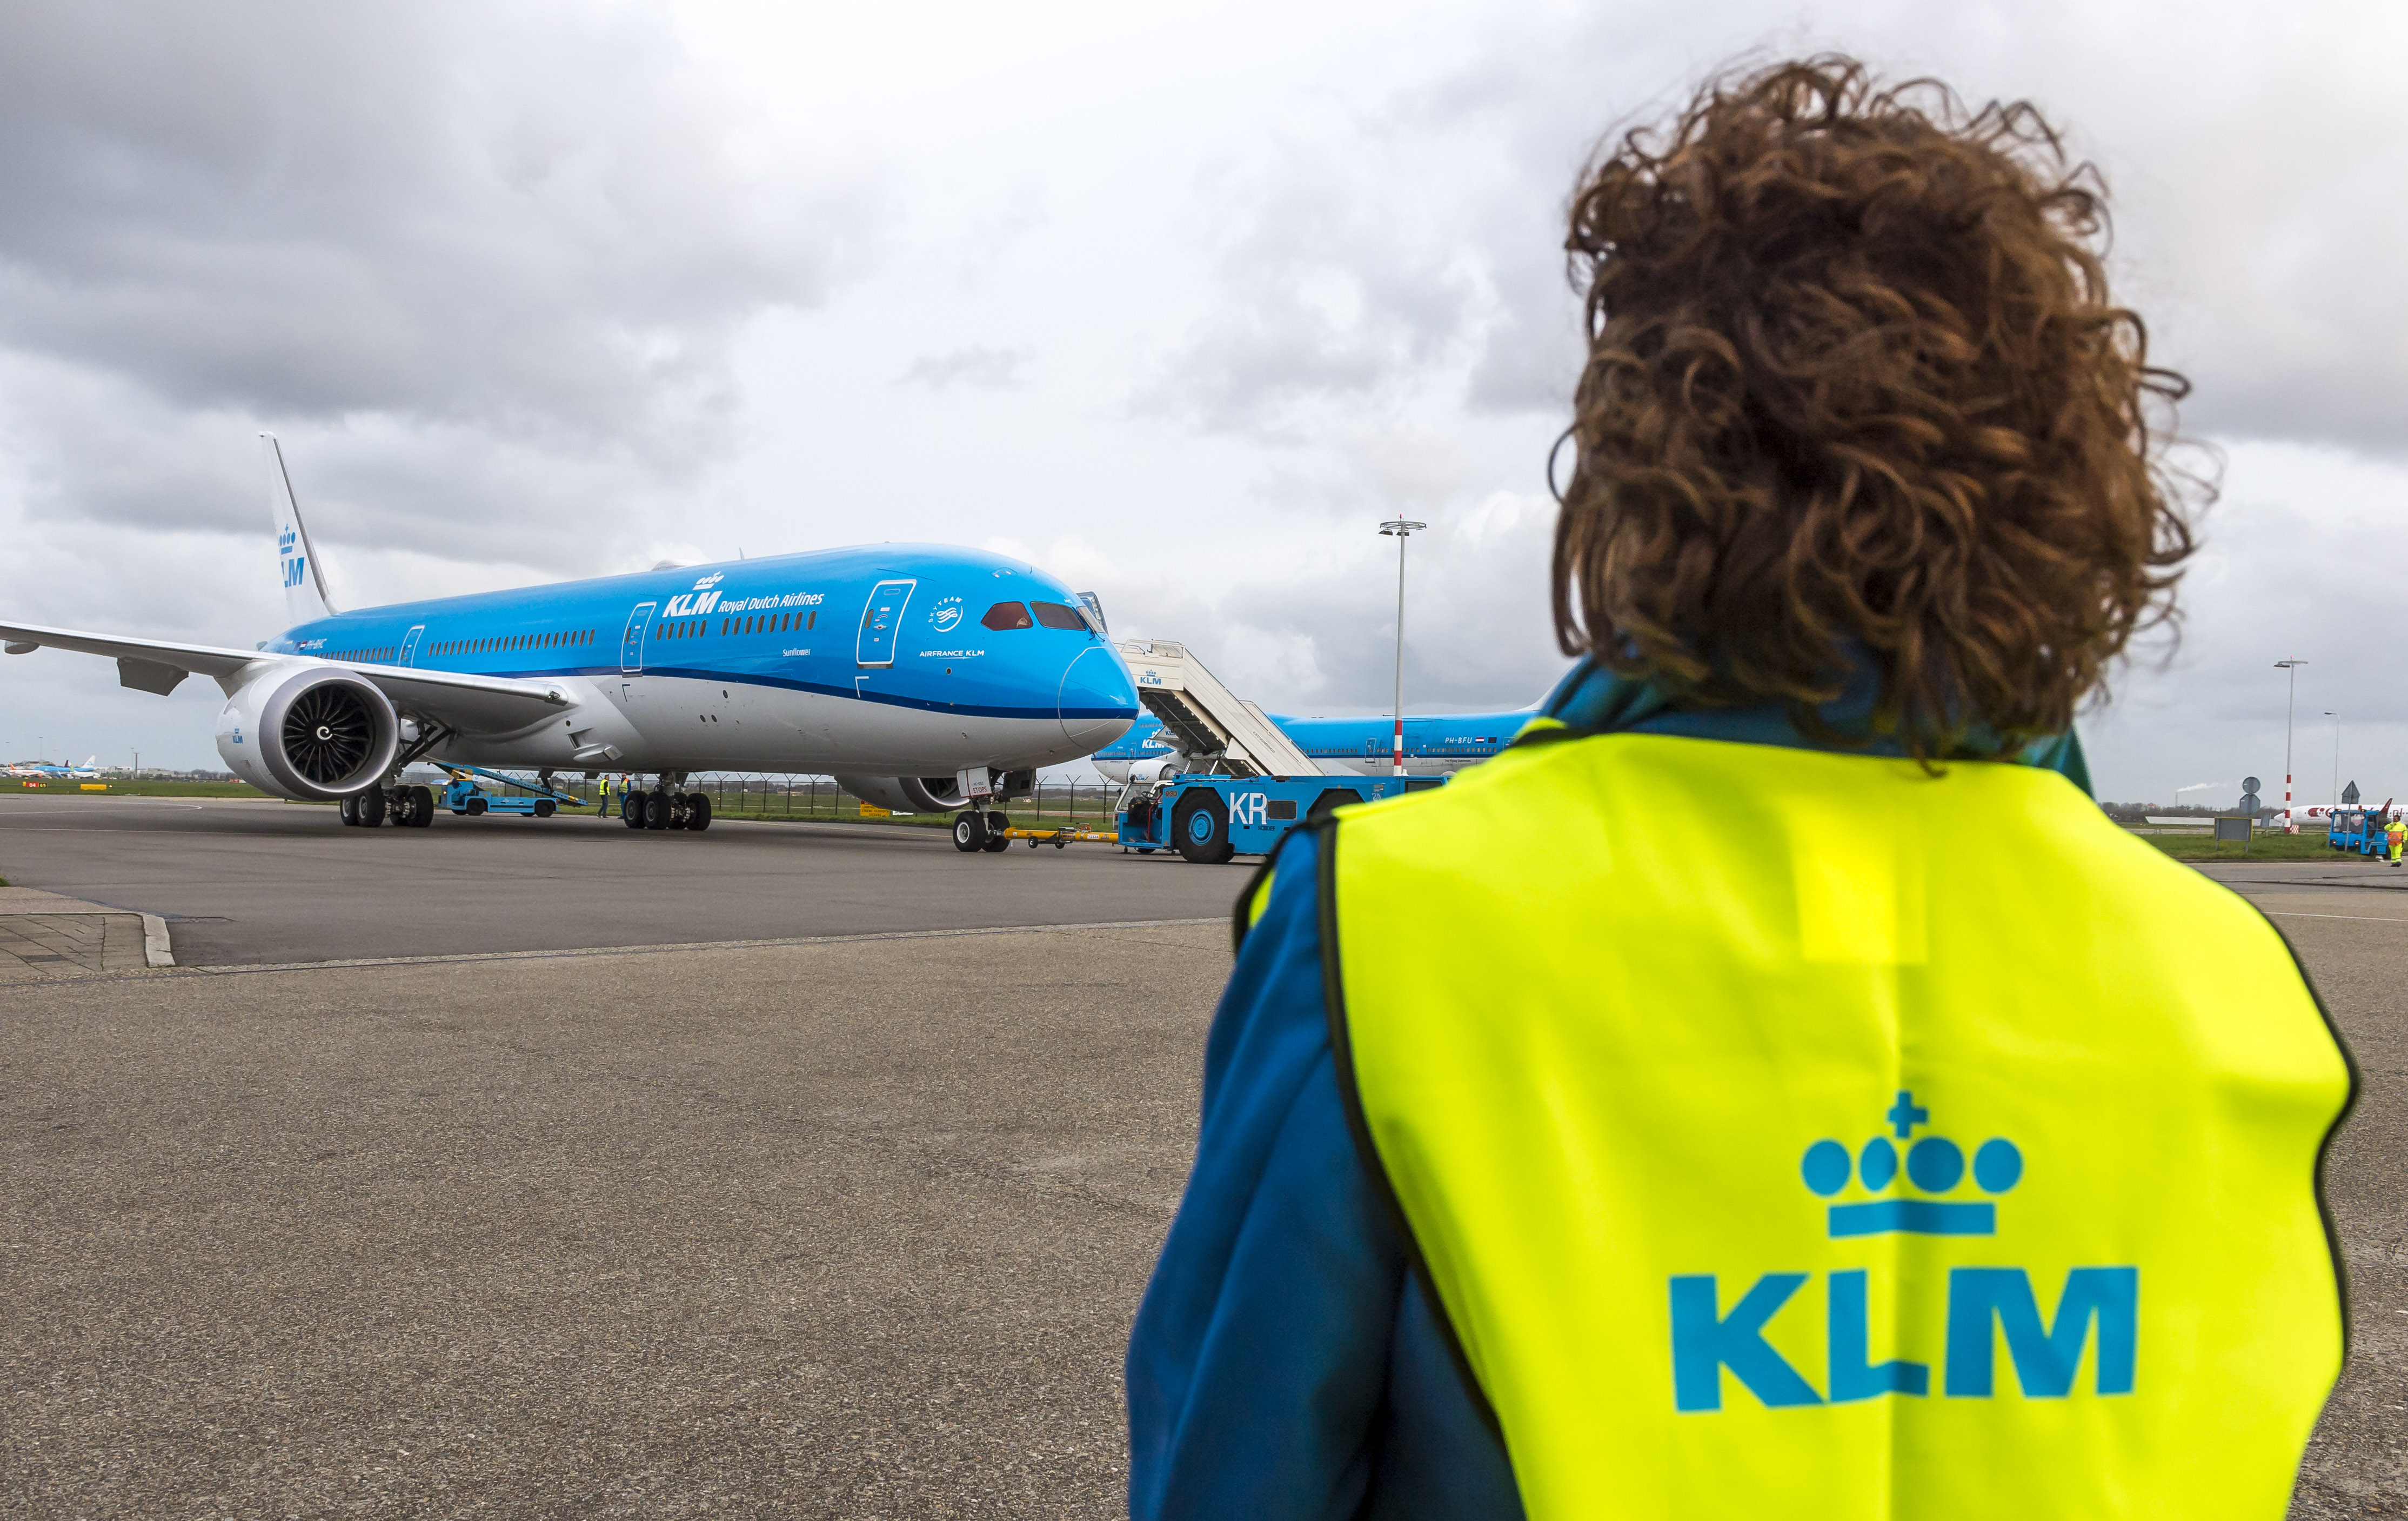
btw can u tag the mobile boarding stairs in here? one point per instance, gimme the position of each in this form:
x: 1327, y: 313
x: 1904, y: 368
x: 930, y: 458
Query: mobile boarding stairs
x: 1209, y: 726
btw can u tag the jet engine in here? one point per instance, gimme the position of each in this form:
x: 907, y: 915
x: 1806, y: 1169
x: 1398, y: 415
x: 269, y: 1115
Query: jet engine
x: 906, y: 793
x: 932, y: 793
x: 309, y: 731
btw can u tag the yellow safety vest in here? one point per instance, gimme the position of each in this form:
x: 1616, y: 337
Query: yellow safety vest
x: 1791, y: 1134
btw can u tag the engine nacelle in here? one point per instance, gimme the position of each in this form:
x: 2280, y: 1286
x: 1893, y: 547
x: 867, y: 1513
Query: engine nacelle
x: 933, y: 793
x: 906, y: 793
x: 309, y: 731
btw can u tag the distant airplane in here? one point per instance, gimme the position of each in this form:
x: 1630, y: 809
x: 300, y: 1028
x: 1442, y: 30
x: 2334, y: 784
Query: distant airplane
x: 44, y: 768
x: 945, y: 678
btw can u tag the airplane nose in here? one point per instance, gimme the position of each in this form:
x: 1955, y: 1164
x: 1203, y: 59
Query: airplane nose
x: 1099, y: 698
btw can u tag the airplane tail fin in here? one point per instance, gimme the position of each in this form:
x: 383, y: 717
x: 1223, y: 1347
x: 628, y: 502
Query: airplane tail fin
x: 296, y: 560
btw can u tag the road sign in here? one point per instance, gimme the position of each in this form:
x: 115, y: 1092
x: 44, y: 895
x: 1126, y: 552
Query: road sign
x: 2248, y: 784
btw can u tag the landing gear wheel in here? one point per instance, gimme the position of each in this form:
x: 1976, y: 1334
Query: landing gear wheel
x: 423, y: 806
x: 969, y: 833
x: 631, y: 809
x: 1200, y: 829
x: 997, y: 839
x: 350, y: 810
x: 656, y: 811
x: 697, y: 810
x: 372, y: 806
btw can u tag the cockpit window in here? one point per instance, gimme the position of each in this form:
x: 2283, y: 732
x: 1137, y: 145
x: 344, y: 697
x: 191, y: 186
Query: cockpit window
x: 1009, y: 615
x: 1055, y: 616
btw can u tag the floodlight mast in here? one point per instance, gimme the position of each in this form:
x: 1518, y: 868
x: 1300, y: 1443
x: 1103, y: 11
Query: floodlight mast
x: 1401, y: 530
x: 2290, y: 826
x: 2336, y: 718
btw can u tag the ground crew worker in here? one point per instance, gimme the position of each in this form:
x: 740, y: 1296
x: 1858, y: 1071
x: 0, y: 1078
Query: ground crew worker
x: 2394, y: 834
x: 1938, y: 1149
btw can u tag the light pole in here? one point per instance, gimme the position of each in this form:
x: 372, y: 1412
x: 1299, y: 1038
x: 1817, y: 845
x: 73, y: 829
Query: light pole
x: 1401, y: 530
x: 2336, y: 718
x: 2290, y: 827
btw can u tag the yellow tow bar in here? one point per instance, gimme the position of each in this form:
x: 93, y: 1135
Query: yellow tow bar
x: 1058, y: 837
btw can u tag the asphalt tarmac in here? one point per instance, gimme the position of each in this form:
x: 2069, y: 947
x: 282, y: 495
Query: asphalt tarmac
x: 850, y: 1229
x: 248, y: 882
x: 2348, y: 922
x: 842, y: 1228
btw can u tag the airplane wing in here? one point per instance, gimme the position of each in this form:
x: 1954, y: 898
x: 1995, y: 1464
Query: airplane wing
x: 471, y: 704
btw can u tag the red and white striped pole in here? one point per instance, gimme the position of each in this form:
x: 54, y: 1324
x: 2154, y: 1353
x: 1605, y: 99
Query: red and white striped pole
x: 2290, y: 825
x: 1399, y: 530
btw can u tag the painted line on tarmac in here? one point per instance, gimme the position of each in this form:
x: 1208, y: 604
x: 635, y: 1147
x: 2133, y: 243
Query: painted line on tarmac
x: 2359, y: 918
x: 362, y: 962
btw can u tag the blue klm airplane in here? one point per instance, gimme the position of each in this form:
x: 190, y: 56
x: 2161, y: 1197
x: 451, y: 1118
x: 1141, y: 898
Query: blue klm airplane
x: 924, y: 677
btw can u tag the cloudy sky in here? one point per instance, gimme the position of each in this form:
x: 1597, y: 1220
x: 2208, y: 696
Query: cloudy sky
x: 1178, y: 303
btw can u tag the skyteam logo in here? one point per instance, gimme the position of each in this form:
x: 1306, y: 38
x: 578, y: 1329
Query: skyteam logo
x: 1984, y: 1303
x: 946, y: 615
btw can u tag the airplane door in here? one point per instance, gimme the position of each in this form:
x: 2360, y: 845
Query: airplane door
x: 631, y: 644
x: 881, y: 621
x: 410, y: 645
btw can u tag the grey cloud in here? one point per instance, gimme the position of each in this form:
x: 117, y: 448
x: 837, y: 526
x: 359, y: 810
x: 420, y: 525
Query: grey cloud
x: 533, y: 218
x: 978, y: 368
x: 2255, y: 203
x: 1325, y: 291
x: 1321, y: 638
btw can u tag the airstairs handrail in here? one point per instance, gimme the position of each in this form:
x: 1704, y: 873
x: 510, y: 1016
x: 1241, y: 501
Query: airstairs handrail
x: 1206, y: 719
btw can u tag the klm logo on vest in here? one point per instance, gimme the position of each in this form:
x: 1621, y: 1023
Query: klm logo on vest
x: 1984, y: 1303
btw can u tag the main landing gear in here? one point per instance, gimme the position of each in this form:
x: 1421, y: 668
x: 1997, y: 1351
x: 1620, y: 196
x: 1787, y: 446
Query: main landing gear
x: 410, y: 807
x: 665, y: 807
x: 974, y: 830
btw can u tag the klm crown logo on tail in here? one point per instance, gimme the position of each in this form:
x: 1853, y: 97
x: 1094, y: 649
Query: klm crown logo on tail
x: 303, y: 577
x: 1981, y: 1303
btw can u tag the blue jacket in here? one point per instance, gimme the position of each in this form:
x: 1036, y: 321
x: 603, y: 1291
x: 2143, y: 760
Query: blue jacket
x: 1285, y: 1365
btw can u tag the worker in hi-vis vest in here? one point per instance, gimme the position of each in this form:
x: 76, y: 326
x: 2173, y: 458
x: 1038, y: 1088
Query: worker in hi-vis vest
x: 1772, y: 1087
x: 2394, y: 833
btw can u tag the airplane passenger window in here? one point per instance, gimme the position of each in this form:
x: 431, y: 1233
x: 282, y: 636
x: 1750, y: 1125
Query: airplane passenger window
x: 815, y: 619
x: 1055, y: 616
x: 1007, y: 615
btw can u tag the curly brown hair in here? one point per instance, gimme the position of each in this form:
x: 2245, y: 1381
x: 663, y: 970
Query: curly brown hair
x: 1856, y: 389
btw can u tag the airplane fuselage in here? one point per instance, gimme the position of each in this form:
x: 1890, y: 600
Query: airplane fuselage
x: 888, y: 659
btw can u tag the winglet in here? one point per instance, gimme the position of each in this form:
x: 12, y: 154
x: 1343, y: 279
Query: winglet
x: 297, y: 558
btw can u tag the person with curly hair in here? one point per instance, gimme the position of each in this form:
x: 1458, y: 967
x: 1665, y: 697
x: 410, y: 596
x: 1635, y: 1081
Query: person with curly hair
x: 1772, y: 1087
